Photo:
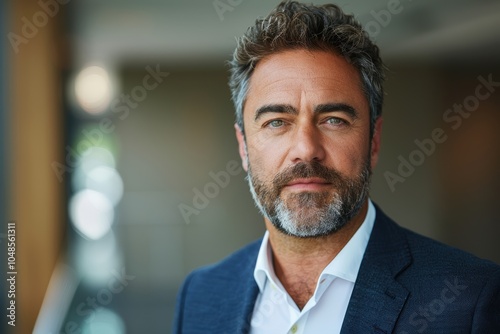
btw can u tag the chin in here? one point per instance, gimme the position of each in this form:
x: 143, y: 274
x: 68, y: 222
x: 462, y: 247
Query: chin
x: 303, y: 225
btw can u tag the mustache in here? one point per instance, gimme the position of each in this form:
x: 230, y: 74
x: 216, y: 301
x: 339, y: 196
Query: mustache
x: 307, y: 170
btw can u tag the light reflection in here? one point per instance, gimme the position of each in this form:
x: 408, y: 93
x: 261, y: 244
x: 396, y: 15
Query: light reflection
x: 104, y: 321
x: 95, y: 259
x: 91, y: 159
x: 93, y: 89
x: 91, y: 213
x: 97, y: 156
x: 107, y: 181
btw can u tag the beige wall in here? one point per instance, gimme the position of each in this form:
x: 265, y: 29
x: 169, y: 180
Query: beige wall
x: 36, y: 131
x: 452, y: 196
x: 469, y: 167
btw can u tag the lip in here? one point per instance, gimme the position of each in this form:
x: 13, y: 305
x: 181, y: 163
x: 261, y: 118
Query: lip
x: 307, y: 184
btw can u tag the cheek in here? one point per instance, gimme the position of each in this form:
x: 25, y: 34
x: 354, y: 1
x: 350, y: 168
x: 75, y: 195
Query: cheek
x: 265, y: 160
x: 348, y: 156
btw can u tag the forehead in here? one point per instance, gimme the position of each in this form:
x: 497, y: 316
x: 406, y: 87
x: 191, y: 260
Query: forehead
x: 300, y: 77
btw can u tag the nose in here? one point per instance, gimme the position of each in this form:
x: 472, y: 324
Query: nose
x: 307, y: 144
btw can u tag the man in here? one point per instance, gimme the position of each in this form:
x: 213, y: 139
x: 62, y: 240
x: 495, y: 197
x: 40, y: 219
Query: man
x: 307, y: 86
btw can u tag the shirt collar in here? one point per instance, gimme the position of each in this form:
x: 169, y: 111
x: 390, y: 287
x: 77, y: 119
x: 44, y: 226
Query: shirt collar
x: 345, y: 265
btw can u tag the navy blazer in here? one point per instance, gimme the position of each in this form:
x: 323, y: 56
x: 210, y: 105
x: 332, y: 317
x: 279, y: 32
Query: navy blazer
x: 407, y: 283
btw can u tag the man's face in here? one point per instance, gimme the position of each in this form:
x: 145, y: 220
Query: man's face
x: 307, y: 146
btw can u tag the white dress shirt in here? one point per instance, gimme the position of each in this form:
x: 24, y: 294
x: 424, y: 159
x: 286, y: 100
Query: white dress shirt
x: 275, y: 312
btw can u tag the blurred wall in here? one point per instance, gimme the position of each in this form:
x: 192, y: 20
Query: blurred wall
x: 469, y: 166
x: 411, y: 107
x: 4, y: 145
x: 177, y: 143
x: 446, y: 189
x: 35, y: 123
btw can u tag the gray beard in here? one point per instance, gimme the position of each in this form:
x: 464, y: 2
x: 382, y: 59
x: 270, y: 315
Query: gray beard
x: 312, y: 214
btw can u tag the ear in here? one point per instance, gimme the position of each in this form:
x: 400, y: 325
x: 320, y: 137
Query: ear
x: 242, y: 147
x: 376, y: 141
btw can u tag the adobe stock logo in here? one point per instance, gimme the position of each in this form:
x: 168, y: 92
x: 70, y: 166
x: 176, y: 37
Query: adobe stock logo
x: 421, y: 318
x: 30, y: 28
x: 211, y: 190
x: 222, y: 6
x: 453, y: 116
x: 104, y: 296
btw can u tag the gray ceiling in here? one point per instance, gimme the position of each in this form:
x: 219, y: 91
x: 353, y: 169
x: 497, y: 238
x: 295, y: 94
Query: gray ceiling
x: 192, y: 30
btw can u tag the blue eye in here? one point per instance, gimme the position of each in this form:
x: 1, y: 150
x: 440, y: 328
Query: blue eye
x: 276, y: 123
x: 335, y: 121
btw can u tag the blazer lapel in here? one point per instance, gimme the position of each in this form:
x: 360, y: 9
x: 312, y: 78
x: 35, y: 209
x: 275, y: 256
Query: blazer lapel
x: 246, y: 306
x: 236, y: 310
x: 377, y: 298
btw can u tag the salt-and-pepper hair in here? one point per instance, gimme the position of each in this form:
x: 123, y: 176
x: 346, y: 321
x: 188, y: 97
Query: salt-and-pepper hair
x: 292, y: 25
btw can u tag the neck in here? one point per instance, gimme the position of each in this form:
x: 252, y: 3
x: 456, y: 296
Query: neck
x: 298, y: 262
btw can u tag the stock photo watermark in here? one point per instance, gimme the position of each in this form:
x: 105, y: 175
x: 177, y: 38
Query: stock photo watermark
x: 11, y: 273
x: 383, y: 17
x: 103, y: 297
x: 267, y: 308
x: 31, y: 26
x: 431, y: 311
x: 210, y: 190
x: 121, y: 106
x: 223, y: 6
x: 454, y: 117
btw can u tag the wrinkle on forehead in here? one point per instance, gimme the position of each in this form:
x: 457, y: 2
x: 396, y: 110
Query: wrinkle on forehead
x: 297, y: 76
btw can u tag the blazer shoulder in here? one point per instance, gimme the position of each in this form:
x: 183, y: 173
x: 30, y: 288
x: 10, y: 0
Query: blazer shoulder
x: 437, y: 254
x: 450, y: 290
x: 241, y: 262
x: 428, y: 254
x: 217, y: 298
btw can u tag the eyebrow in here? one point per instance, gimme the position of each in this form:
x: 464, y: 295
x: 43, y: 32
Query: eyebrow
x: 275, y: 108
x: 319, y: 109
x: 330, y: 107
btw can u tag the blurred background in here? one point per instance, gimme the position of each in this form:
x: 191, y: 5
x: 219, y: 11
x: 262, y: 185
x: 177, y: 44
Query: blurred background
x: 120, y: 168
